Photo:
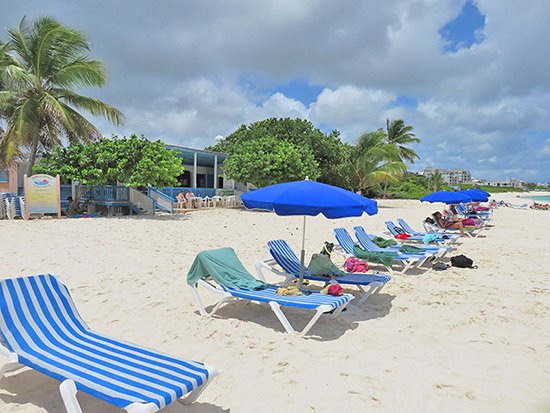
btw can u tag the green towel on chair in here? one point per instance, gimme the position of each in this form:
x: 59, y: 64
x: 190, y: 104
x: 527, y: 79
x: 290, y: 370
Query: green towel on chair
x: 411, y: 248
x: 385, y: 258
x: 383, y: 242
x: 225, y: 268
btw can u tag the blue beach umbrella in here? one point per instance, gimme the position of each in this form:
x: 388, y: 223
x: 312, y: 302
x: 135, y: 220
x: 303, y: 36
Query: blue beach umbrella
x: 309, y: 198
x: 477, y: 195
x: 447, y: 197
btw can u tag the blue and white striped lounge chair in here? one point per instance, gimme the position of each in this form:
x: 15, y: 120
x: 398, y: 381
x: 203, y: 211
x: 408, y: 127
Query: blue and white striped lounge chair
x: 394, y: 230
x: 437, y: 251
x: 452, y: 237
x: 41, y: 328
x: 481, y: 215
x: 320, y: 303
x: 283, y: 256
x: 346, y: 243
x: 408, y: 260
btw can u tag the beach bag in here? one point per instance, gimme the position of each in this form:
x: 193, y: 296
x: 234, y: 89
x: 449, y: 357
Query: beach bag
x: 321, y: 266
x: 353, y: 264
x: 462, y: 261
x: 440, y: 266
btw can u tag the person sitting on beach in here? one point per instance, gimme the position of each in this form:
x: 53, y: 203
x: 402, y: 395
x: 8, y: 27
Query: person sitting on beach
x: 191, y: 198
x: 182, y: 202
x: 450, y: 222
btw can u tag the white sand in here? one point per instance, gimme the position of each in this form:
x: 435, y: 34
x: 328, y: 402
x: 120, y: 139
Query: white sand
x: 458, y: 340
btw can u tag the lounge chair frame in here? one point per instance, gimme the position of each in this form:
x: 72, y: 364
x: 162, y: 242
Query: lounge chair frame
x: 270, y: 264
x: 275, y: 306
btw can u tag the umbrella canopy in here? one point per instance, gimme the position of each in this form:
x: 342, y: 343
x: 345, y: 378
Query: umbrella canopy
x: 446, y: 197
x: 481, y: 191
x: 309, y: 198
x: 477, y: 195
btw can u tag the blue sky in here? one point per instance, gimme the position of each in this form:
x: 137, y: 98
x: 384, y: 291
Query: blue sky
x: 463, y: 73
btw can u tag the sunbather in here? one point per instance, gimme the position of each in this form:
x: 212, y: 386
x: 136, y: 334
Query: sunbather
x: 450, y: 222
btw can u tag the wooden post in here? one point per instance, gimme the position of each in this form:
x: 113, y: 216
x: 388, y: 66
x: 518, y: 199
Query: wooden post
x: 25, y: 190
x: 58, y: 183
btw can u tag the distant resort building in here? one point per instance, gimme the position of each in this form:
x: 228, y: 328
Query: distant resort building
x: 450, y: 176
x: 510, y: 183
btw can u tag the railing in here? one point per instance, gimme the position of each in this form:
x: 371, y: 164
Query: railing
x: 142, y: 201
x: 162, y: 200
x: 110, y: 193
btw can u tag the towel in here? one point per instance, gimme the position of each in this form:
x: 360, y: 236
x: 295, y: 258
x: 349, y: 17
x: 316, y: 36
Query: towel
x: 426, y: 239
x: 385, y: 258
x: 225, y: 268
x: 383, y: 243
x: 411, y: 248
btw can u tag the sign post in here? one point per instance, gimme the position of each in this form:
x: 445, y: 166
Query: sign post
x: 42, y: 195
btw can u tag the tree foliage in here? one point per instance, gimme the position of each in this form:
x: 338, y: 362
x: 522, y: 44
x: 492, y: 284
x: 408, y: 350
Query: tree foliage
x: 303, y: 136
x: 267, y: 160
x: 133, y: 161
x: 375, y: 161
x: 41, y: 66
x: 401, y: 135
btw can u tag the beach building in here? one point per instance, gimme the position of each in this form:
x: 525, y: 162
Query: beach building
x: 450, y: 176
x: 204, y: 169
x: 510, y: 183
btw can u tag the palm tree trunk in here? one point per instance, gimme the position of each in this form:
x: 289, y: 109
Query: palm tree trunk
x: 32, y: 159
x: 385, y: 193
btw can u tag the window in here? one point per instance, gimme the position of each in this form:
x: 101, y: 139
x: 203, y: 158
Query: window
x: 4, y: 175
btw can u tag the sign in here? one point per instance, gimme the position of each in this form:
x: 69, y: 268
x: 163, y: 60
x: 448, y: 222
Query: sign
x: 42, y: 194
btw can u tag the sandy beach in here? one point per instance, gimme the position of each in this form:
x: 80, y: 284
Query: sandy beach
x: 471, y: 340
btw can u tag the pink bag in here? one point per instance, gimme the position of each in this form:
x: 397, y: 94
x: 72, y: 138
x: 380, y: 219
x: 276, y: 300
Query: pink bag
x: 353, y: 264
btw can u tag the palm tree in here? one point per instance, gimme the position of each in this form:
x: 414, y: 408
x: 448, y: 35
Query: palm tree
x: 397, y: 133
x: 41, y: 65
x: 400, y: 135
x: 376, y: 161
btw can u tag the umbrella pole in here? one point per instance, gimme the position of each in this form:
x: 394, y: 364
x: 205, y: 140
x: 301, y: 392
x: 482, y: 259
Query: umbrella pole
x: 302, y: 256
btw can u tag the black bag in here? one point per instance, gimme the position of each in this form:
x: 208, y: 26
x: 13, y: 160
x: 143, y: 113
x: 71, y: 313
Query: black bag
x: 462, y: 261
x: 440, y: 266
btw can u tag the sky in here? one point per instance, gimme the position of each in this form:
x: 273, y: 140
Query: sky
x: 472, y: 77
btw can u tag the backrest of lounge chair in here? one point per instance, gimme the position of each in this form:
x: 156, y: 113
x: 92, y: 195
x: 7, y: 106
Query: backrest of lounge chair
x: 365, y: 240
x: 406, y: 226
x: 32, y: 306
x: 285, y: 257
x: 344, y: 239
x: 391, y: 227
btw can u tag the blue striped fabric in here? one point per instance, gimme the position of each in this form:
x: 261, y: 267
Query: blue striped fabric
x: 369, y: 245
x: 285, y: 257
x: 393, y: 230
x: 39, y: 322
x: 310, y: 301
x: 344, y: 239
x: 407, y: 228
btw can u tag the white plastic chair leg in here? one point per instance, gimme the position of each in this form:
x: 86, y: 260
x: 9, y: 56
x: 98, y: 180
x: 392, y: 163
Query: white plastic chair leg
x: 282, y: 318
x: 68, y: 393
x: 372, y: 288
x: 11, y: 364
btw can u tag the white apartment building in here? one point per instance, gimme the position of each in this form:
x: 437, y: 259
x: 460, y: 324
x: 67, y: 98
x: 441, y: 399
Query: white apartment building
x: 510, y: 183
x: 450, y: 176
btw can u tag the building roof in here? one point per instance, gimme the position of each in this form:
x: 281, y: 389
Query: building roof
x: 204, y: 157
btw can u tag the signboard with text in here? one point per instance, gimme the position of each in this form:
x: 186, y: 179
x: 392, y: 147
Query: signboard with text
x: 42, y: 194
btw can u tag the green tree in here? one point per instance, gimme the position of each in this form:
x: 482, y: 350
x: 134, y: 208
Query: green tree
x: 133, y: 161
x: 376, y: 161
x: 41, y: 66
x: 268, y: 160
x: 400, y: 135
x: 326, y: 149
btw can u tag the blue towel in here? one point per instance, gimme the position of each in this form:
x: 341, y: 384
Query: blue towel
x: 429, y: 238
